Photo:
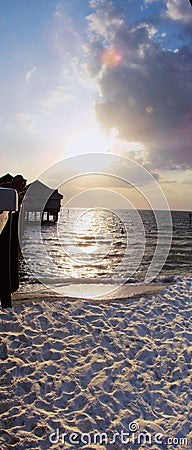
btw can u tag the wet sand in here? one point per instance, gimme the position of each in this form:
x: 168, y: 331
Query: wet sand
x: 120, y: 294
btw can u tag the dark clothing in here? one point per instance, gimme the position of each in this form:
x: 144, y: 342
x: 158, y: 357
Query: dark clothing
x: 9, y: 260
x: 9, y: 244
x: 5, y: 266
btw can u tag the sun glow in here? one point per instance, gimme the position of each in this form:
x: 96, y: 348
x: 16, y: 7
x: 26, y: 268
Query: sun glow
x: 111, y: 57
x: 87, y: 140
x: 90, y: 139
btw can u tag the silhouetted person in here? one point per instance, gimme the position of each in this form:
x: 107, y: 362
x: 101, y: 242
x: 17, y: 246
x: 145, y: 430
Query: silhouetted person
x: 9, y: 245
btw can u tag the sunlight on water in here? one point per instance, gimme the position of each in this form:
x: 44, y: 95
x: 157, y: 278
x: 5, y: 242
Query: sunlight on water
x: 90, y: 238
x: 97, y: 247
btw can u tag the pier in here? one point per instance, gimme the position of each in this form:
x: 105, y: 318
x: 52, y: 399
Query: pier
x: 36, y: 197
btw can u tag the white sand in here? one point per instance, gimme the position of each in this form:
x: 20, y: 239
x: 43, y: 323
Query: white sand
x: 92, y: 368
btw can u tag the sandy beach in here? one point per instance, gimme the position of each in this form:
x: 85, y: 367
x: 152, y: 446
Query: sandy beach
x: 97, y: 375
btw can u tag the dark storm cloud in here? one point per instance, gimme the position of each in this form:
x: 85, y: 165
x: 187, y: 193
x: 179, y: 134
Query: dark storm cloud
x: 150, y: 100
x: 148, y: 96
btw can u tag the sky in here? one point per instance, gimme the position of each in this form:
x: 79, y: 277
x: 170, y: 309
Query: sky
x: 82, y: 76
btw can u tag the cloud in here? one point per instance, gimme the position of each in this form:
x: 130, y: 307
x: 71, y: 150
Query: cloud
x: 29, y: 74
x: 179, y: 10
x: 103, y: 24
x: 66, y: 39
x: 148, y: 95
x: 57, y: 96
x: 150, y: 102
x: 173, y: 153
x: 177, y: 177
x: 27, y: 118
x: 105, y: 20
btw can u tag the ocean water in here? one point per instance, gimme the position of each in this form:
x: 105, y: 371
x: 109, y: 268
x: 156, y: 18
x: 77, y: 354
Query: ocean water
x: 103, y: 247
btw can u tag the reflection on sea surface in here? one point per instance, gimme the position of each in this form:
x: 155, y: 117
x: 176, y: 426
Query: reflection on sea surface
x: 100, y: 247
